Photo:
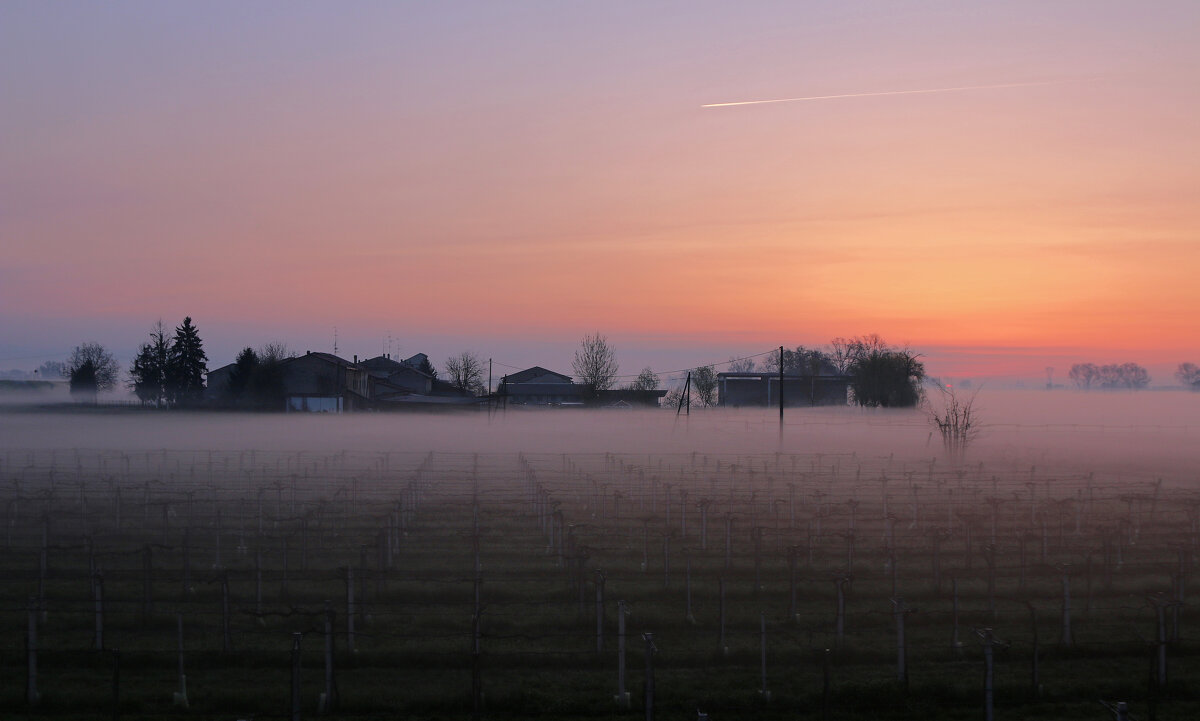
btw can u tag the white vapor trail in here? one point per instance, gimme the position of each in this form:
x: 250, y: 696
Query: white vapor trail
x: 889, y: 92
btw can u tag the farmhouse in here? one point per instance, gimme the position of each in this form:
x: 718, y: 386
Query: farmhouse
x: 735, y: 390
x: 538, y: 386
x: 323, y: 382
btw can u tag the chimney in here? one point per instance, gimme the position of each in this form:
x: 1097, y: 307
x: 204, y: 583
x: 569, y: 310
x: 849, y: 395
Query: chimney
x: 355, y: 359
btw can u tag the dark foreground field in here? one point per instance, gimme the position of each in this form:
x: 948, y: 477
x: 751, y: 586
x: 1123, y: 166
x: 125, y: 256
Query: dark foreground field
x: 446, y: 585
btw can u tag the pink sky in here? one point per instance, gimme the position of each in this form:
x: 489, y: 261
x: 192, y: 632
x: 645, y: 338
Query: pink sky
x: 507, y: 177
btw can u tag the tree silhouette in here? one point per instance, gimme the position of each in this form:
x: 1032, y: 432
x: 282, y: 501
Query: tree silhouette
x: 595, y: 362
x: 91, y: 368
x: 186, y: 366
x: 148, y: 374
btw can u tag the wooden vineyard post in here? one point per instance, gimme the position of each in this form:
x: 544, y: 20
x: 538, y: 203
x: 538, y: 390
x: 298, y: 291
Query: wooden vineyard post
x: 226, y: 639
x: 1035, y: 681
x: 825, y: 685
x: 258, y: 580
x: 1160, y: 603
x: 187, y: 562
x: 362, y: 584
x: 350, y: 610
x: 703, y: 505
x: 937, y: 536
x: 599, y: 611
x: 687, y: 587
x: 989, y: 642
x: 327, y: 702
x: 622, y: 697
x: 31, y: 644
x: 989, y: 557
x: 683, y: 497
x: 955, y: 642
x: 43, y: 567
x: 721, y: 647
x: 296, y: 636
x: 283, y: 572
x: 728, y: 541
x: 98, y: 594
x: 649, y: 695
x: 840, y: 619
x: 899, y: 611
x: 147, y: 584
x: 793, y: 608
x: 116, y: 685
x: 1066, y: 607
x: 762, y: 629
x: 180, y: 698
x: 756, y: 534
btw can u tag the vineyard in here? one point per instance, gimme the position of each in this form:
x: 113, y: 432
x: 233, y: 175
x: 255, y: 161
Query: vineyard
x: 353, y: 584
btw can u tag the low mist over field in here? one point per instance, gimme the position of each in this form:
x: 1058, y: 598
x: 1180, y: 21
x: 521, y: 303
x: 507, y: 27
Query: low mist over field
x: 1138, y: 433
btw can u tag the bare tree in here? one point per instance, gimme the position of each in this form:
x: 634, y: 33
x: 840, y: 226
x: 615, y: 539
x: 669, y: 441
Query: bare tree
x: 91, y: 368
x: 704, y: 386
x: 741, y: 365
x: 595, y: 362
x: 956, y: 421
x: 465, y: 371
x: 275, y: 352
x: 647, y: 380
x: 1189, y: 375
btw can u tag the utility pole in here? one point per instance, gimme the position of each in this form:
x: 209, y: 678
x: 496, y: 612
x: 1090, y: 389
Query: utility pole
x: 781, y: 392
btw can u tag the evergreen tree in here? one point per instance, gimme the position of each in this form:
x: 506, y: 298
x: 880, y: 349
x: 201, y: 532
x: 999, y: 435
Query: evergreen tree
x: 148, y: 374
x: 241, y: 378
x: 186, y: 366
x: 427, y: 367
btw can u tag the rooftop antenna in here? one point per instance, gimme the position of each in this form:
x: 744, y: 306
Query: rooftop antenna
x: 335, y: 340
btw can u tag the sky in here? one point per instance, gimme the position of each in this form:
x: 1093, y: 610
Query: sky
x: 508, y: 177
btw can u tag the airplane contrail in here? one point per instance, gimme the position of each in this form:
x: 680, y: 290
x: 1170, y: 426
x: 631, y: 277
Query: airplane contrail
x: 889, y: 92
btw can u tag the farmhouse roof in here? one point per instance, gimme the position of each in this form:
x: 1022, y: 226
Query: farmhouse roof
x: 539, y: 373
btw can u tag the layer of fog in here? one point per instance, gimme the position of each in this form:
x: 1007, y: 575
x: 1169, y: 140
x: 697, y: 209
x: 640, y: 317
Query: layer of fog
x: 1135, y: 434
